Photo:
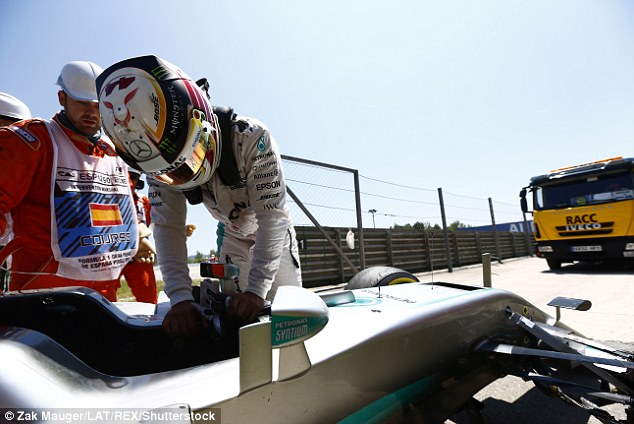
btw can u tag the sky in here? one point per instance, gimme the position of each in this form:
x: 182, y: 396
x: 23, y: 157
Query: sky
x: 474, y: 97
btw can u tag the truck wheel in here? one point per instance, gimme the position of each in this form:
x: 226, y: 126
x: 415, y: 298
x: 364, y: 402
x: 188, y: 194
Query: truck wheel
x: 380, y: 276
x: 554, y: 264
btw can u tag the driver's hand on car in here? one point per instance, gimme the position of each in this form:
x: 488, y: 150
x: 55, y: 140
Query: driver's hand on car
x: 183, y: 320
x: 245, y: 307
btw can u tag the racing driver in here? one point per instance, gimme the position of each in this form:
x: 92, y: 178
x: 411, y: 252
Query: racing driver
x: 73, y: 214
x: 162, y: 124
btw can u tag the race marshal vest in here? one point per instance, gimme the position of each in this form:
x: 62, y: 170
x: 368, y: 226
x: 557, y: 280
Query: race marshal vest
x: 93, y: 217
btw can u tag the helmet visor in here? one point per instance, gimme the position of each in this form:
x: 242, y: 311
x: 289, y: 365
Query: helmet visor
x: 195, y: 159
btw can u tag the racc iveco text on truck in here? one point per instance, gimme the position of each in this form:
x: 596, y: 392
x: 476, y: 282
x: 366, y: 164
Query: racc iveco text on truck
x: 584, y: 212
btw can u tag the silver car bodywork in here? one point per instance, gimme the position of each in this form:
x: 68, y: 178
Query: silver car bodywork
x: 367, y: 355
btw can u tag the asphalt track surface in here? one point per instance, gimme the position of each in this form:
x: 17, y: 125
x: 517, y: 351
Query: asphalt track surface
x: 610, y: 319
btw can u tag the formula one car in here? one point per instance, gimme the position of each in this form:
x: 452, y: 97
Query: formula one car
x: 371, y: 351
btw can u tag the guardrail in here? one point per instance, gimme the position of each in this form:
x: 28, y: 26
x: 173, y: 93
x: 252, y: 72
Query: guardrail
x: 410, y: 250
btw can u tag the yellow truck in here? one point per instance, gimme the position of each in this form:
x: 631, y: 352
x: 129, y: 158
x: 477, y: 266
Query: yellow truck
x: 583, y: 212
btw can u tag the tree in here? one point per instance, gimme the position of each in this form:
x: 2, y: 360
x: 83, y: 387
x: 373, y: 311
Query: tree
x: 457, y: 224
x: 420, y: 226
x: 200, y: 257
x: 427, y: 226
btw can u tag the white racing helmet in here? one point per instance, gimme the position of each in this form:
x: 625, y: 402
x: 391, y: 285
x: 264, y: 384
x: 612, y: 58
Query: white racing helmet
x: 77, y: 79
x: 159, y: 120
x: 12, y: 107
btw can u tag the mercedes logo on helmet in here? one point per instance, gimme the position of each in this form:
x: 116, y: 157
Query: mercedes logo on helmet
x: 140, y: 149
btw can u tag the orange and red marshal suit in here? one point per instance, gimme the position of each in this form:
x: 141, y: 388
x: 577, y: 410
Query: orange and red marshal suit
x: 140, y: 275
x: 73, y: 213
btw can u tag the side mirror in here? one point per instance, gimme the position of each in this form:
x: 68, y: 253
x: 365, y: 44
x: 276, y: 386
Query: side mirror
x: 297, y: 314
x: 523, y: 202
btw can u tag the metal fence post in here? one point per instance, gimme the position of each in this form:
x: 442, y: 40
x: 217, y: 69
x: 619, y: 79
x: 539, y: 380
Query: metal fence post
x: 486, y: 269
x: 445, y: 230
x: 495, y: 233
x: 357, y: 199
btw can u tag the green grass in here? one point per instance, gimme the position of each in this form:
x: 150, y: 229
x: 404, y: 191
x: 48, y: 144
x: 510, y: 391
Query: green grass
x: 125, y: 294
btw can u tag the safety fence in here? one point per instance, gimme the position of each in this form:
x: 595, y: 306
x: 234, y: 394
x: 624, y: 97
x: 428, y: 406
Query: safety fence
x: 413, y: 228
x: 410, y: 250
x: 337, y: 196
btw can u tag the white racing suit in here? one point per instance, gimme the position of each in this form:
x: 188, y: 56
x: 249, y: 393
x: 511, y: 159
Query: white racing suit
x: 255, y: 232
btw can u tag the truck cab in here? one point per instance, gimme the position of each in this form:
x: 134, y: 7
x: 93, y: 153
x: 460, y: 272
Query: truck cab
x: 583, y: 212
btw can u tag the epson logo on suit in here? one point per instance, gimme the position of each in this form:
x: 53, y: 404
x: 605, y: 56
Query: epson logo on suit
x: 267, y: 186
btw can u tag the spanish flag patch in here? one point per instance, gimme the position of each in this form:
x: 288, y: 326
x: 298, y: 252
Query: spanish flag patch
x: 105, y: 215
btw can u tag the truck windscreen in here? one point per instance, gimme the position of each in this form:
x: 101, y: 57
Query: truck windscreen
x: 591, y: 190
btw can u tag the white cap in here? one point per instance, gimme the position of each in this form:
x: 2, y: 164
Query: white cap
x: 12, y: 107
x: 77, y: 79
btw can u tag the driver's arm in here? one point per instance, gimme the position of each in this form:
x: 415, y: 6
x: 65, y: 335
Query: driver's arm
x: 168, y: 212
